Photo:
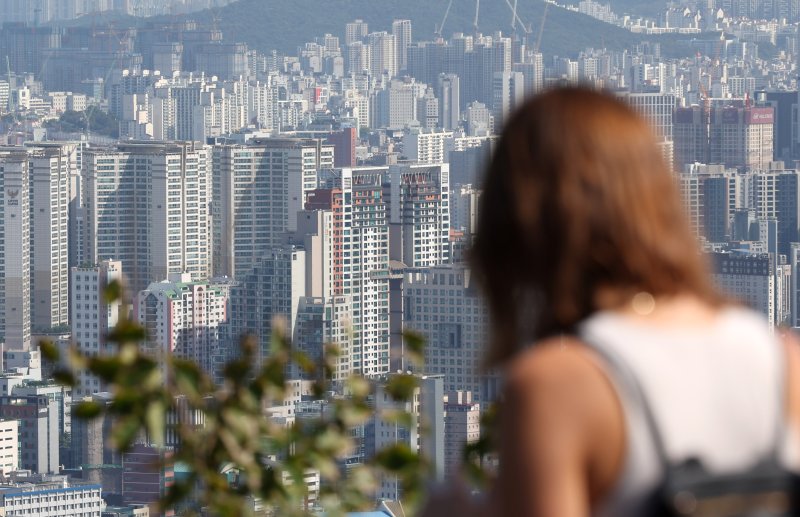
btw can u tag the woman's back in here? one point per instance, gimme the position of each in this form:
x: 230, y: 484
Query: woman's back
x: 715, y: 390
x: 573, y: 444
x: 580, y: 215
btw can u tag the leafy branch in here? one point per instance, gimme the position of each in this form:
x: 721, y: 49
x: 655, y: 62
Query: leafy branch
x: 238, y: 453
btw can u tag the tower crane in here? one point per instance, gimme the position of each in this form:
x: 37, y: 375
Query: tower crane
x: 516, y: 17
x: 440, y: 27
x: 541, y: 28
x: 475, y: 22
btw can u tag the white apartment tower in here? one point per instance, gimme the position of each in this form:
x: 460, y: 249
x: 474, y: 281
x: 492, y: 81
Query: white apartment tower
x: 148, y: 206
x: 355, y: 31
x: 92, y: 317
x: 52, y: 167
x: 401, y: 30
x: 9, y: 446
x: 361, y: 263
x: 449, y: 95
x: 383, y: 58
x: 508, y: 91
x: 419, y: 214
x: 426, y: 146
x: 184, y: 318
x: 656, y: 108
x: 258, y: 190
x: 15, y: 242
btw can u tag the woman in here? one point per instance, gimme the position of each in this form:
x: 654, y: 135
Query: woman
x: 583, y: 251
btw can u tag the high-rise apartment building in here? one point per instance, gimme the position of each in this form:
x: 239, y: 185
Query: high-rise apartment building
x: 52, y: 167
x: 383, y: 58
x: 344, y: 146
x: 419, y: 214
x: 148, y: 207
x: 258, y: 190
x: 360, y: 260
x: 428, y: 110
x: 355, y: 31
x: 15, y: 267
x: 445, y: 305
x: 9, y: 446
x: 507, y: 94
x: 357, y: 57
x: 532, y: 70
x: 396, y: 105
x: 424, y: 435
x: 776, y: 194
x: 711, y: 194
x: 462, y: 426
x: 38, y: 417
x: 479, y: 120
x: 749, y: 278
x: 449, y: 95
x: 426, y: 146
x: 185, y: 318
x: 464, y: 208
x: 271, y: 289
x: 92, y: 317
x: 734, y: 135
x: 656, y: 108
x: 401, y: 30
x: 321, y: 321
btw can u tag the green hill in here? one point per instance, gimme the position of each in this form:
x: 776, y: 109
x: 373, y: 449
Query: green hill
x: 284, y: 25
x: 649, y: 8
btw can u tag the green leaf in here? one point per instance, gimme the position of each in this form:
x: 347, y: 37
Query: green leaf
x: 401, y: 386
x: 305, y: 363
x: 65, y: 378
x: 49, y: 350
x: 87, y: 410
x: 396, y: 457
x: 125, y: 432
x: 112, y: 292
x: 415, y: 347
x: 156, y: 417
x: 127, y: 331
x: 106, y: 368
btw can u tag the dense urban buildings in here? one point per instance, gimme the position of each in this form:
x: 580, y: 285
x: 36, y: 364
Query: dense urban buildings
x: 330, y: 193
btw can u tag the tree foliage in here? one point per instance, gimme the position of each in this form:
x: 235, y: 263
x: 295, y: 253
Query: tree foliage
x: 99, y: 122
x: 269, y: 460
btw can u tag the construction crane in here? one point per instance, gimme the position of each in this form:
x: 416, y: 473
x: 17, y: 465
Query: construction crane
x: 475, y: 22
x: 541, y: 29
x: 516, y: 16
x: 440, y: 27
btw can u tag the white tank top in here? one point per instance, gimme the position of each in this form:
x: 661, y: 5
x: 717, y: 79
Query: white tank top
x: 715, y: 393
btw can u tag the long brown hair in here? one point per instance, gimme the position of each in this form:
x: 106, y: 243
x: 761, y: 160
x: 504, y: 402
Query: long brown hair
x: 578, y: 200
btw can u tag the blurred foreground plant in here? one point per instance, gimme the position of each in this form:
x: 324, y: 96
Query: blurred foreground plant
x: 270, y: 460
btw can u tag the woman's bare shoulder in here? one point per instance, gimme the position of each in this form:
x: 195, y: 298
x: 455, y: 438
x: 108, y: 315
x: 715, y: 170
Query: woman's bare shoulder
x: 554, y: 362
x: 792, y: 345
x: 562, y: 407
